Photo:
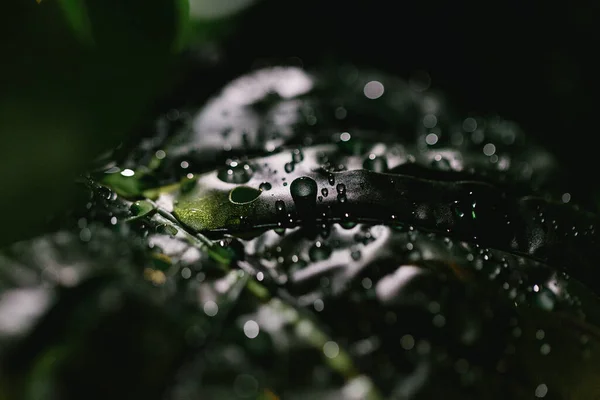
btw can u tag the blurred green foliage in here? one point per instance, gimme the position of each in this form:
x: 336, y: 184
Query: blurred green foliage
x: 78, y: 76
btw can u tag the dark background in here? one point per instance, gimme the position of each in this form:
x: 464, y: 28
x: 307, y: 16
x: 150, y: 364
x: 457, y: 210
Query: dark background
x: 62, y: 103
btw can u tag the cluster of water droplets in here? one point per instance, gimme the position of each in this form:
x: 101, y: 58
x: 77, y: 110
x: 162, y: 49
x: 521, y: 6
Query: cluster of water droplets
x: 347, y: 229
x: 421, y: 239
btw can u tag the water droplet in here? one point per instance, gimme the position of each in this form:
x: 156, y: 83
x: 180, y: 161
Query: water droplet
x: 431, y: 139
x: 235, y: 172
x: 331, y: 179
x: 304, y: 193
x: 243, y: 195
x: 331, y: 349
x: 407, y: 342
x: 265, y: 186
x: 346, y: 221
x: 141, y: 208
x: 211, y: 308
x: 289, y: 167
x: 541, y: 391
x: 325, y: 192
x: 489, y: 149
x: 297, y: 156
x: 319, y: 305
x: 469, y: 125
x: 280, y: 206
x: 251, y: 329
x: 373, y: 90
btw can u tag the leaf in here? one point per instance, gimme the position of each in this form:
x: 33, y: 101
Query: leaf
x: 303, y: 193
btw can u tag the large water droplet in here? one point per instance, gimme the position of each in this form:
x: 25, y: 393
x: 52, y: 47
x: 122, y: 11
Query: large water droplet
x: 141, y: 208
x: 236, y: 172
x: 304, y: 193
x: 243, y: 195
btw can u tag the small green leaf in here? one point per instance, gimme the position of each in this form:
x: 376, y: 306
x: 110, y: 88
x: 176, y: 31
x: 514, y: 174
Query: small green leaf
x: 126, y: 186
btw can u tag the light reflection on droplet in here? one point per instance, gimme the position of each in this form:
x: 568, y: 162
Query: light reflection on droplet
x: 127, y: 172
x: 331, y: 349
x: 367, y: 283
x: 407, y: 342
x: 545, y: 349
x: 489, y: 149
x: 211, y: 308
x: 431, y: 139
x: 566, y: 197
x: 373, y: 90
x: 541, y: 391
x: 251, y: 329
x: 319, y: 305
x: 540, y: 334
x: 345, y: 136
x: 160, y: 154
